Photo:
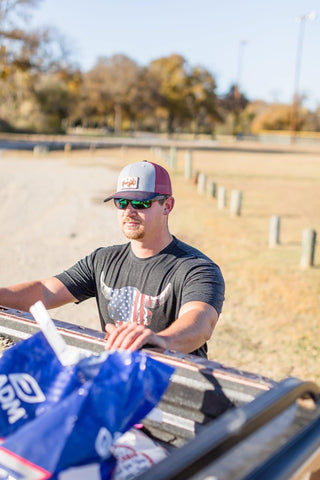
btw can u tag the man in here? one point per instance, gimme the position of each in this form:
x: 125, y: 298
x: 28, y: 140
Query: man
x: 154, y: 290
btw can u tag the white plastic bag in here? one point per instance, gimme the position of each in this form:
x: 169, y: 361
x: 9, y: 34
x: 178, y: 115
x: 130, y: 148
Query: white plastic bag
x: 135, y: 453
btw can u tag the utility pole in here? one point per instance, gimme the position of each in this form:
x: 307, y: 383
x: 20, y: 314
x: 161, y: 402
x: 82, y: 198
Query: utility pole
x: 242, y: 44
x: 236, y: 93
x: 295, y: 101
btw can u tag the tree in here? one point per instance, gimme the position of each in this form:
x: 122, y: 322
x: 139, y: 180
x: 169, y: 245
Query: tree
x: 143, y: 100
x: 24, y: 57
x: 106, y: 90
x: 172, y: 73
x: 95, y: 102
x: 233, y: 104
x: 22, y: 49
x: 202, y: 100
x: 276, y: 116
x: 312, y: 121
x: 55, y: 101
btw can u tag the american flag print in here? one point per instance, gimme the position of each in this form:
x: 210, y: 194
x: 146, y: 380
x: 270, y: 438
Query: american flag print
x: 128, y: 304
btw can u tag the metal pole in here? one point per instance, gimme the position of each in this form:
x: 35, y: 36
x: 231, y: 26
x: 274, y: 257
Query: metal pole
x: 296, y: 101
x: 242, y: 44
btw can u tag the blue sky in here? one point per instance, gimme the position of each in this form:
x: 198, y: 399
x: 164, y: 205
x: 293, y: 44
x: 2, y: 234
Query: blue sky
x: 252, y: 42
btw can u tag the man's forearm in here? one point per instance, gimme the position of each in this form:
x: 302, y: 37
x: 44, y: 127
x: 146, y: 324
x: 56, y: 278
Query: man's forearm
x: 185, y: 336
x: 192, y: 328
x: 21, y: 296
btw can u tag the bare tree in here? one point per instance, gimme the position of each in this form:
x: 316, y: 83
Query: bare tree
x: 25, y: 56
x: 24, y: 49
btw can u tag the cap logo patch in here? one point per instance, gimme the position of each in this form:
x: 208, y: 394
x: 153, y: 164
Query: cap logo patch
x: 129, y: 182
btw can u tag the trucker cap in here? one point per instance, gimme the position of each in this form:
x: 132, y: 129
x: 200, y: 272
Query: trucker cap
x: 142, y: 181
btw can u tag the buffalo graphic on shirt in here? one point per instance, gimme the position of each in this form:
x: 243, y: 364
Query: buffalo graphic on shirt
x: 128, y: 304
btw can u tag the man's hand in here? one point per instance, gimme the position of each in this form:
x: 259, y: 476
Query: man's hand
x: 189, y: 331
x: 130, y: 336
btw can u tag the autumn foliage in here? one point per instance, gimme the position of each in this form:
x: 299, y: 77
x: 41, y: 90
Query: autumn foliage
x: 42, y: 90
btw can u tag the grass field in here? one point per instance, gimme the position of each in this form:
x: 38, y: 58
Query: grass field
x: 271, y: 317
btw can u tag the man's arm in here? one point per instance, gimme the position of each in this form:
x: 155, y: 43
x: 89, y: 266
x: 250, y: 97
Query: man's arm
x: 192, y: 328
x: 51, y: 291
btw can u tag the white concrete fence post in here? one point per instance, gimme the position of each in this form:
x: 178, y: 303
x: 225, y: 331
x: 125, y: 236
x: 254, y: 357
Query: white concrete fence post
x: 195, y: 176
x: 235, y: 203
x: 188, y: 165
x: 222, y: 198
x: 201, y: 185
x: 211, y: 189
x: 274, y: 231
x: 173, y: 158
x: 38, y: 149
x: 309, y: 238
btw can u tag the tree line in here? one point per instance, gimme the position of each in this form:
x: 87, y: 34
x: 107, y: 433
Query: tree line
x: 41, y: 90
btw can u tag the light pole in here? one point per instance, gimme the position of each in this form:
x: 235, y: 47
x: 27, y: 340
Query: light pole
x: 236, y: 92
x: 295, y: 102
x: 242, y: 44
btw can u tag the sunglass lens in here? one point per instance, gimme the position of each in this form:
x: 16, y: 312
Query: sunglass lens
x: 121, y: 203
x: 140, y: 205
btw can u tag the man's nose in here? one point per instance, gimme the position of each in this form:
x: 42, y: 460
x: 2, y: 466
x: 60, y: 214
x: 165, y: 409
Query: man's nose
x: 129, y: 209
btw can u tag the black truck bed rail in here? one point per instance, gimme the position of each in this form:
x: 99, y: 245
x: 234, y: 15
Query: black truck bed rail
x: 252, y: 441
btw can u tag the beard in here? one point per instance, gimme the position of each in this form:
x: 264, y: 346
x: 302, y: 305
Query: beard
x: 136, y: 233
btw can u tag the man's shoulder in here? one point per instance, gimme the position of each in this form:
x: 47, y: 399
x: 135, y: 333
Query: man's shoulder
x: 109, y: 251
x: 184, y: 250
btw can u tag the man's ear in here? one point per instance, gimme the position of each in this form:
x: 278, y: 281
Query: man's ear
x: 168, y: 205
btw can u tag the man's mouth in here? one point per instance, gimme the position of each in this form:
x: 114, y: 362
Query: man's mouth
x: 131, y: 223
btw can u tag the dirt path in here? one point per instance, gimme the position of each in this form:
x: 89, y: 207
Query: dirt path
x: 52, y: 214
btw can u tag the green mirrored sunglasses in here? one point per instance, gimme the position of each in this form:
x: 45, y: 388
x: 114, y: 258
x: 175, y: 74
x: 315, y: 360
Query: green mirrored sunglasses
x: 122, y: 203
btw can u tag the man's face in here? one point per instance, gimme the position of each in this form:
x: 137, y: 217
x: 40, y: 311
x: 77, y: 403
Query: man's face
x: 141, y: 224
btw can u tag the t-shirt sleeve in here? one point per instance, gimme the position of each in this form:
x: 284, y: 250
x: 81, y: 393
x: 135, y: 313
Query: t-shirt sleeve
x: 204, y: 283
x: 80, y: 278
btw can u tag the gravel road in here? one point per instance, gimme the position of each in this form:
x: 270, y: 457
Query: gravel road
x: 52, y: 214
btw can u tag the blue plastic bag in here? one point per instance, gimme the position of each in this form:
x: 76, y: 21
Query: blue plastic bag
x: 82, y: 428
x: 32, y: 379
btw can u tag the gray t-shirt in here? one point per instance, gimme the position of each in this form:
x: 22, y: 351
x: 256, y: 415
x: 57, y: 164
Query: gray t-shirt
x: 149, y: 291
